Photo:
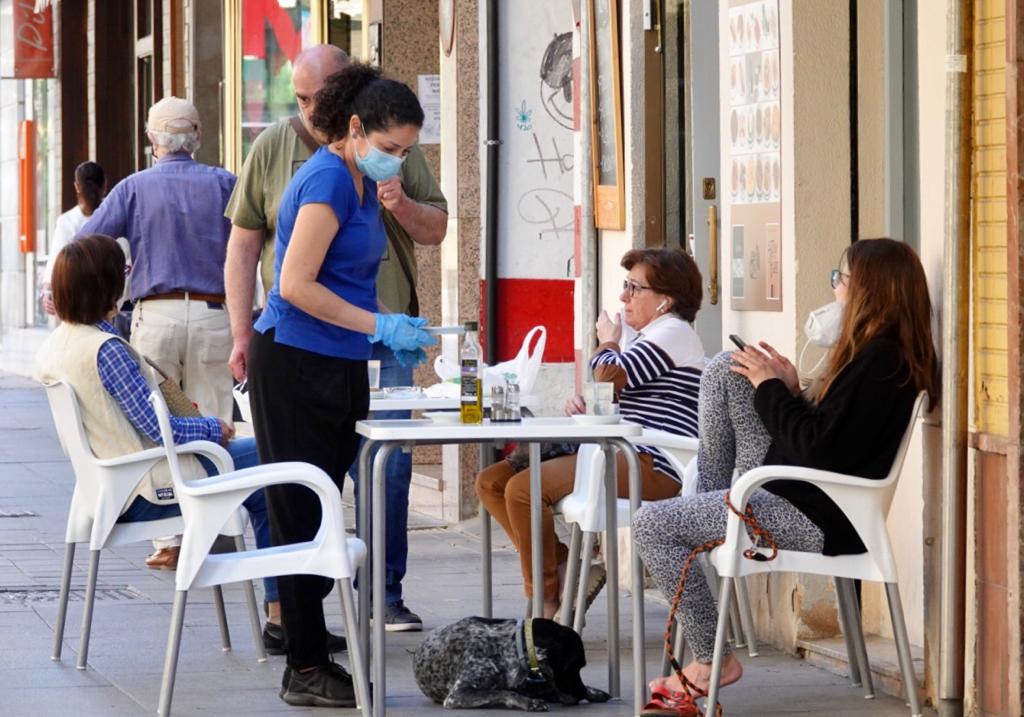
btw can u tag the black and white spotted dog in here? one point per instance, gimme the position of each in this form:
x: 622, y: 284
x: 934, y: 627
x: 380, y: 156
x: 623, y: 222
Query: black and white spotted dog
x: 518, y: 664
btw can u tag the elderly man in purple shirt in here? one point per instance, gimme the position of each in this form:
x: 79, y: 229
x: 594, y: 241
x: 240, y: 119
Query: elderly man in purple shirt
x: 172, y: 215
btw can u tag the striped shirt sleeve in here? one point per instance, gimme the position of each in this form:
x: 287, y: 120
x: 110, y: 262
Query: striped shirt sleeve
x: 123, y: 380
x: 643, y: 362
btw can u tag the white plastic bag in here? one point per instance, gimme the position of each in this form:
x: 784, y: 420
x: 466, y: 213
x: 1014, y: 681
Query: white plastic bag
x: 523, y: 369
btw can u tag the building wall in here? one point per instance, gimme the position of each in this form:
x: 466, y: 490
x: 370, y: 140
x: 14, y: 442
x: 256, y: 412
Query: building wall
x: 906, y: 515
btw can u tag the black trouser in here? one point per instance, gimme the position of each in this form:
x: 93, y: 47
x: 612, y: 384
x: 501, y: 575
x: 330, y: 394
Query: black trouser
x: 304, y: 407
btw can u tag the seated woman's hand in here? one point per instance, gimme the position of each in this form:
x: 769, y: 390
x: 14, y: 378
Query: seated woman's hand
x: 783, y: 368
x: 575, y: 405
x: 227, y: 432
x: 608, y: 330
x: 757, y: 366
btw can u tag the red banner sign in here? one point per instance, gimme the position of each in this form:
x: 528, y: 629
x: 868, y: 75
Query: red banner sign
x: 33, y: 42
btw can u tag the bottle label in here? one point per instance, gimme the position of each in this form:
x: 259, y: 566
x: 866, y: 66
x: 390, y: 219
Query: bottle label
x: 470, y: 370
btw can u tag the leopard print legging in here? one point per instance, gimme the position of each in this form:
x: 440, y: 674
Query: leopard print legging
x: 731, y: 437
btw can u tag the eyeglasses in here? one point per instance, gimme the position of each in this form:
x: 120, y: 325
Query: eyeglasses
x: 632, y: 287
x: 838, y: 277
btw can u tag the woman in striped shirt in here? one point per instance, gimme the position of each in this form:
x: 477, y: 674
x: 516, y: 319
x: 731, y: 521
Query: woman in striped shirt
x: 656, y: 377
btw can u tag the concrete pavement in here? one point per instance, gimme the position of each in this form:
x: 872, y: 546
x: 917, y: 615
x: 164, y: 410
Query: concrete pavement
x: 133, y: 611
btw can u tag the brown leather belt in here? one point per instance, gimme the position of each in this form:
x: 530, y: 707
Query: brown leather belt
x: 179, y: 295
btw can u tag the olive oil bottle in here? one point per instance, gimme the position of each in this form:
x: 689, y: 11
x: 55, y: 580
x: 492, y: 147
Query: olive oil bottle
x: 471, y: 404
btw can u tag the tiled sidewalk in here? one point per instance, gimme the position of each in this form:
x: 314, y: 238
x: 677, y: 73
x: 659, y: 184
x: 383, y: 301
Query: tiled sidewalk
x: 132, y: 614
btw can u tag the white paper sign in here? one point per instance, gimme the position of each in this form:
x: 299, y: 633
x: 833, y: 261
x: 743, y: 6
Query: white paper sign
x: 430, y: 100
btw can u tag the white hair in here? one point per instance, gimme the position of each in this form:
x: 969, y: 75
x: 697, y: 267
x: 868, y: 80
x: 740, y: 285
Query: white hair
x: 175, y: 141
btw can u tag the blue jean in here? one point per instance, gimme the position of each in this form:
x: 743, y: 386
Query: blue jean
x: 398, y: 475
x: 243, y: 453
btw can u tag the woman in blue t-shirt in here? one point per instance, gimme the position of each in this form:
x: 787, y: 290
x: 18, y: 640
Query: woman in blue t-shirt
x: 307, y: 358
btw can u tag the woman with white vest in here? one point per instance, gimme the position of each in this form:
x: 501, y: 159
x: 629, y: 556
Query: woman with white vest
x: 112, y: 383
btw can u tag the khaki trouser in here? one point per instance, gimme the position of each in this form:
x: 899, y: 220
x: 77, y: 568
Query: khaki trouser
x: 506, y: 495
x: 191, y: 343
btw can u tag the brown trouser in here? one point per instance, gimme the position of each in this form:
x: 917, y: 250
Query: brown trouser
x: 506, y: 495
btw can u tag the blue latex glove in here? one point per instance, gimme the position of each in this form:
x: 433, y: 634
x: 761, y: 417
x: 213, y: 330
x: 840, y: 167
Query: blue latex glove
x: 411, y: 358
x: 400, y: 332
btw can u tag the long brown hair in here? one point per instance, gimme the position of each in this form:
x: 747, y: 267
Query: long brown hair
x: 887, y: 293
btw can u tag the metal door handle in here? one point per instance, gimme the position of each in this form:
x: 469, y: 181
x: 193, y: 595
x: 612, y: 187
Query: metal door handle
x: 713, y: 253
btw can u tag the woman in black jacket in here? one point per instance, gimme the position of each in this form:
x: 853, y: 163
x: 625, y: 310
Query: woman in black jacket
x: 753, y: 413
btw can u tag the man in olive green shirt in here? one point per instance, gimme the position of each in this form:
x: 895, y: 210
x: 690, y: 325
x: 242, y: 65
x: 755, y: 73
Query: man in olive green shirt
x: 414, y: 212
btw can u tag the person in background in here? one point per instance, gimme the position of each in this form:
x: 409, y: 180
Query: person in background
x: 307, y: 357
x: 90, y: 186
x: 414, y: 212
x: 753, y: 413
x: 172, y: 215
x: 656, y: 379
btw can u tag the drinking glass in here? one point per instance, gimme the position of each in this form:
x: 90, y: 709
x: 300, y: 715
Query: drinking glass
x: 600, y: 398
x: 373, y: 374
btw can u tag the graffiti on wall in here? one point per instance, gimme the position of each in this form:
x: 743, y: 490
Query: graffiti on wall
x: 538, y: 153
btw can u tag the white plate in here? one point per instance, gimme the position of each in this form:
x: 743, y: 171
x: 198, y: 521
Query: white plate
x: 402, y: 392
x: 586, y: 420
x: 443, y: 416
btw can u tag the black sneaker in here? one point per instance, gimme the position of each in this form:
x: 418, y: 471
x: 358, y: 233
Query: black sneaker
x: 285, y: 678
x: 399, y: 618
x: 273, y: 640
x: 324, y: 686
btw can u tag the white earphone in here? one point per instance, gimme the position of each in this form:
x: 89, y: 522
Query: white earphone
x: 661, y: 306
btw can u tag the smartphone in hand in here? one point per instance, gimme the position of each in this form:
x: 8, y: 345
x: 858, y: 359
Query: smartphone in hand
x: 740, y: 343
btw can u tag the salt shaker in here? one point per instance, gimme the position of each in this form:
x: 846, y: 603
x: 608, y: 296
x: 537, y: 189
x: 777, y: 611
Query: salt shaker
x: 497, y: 403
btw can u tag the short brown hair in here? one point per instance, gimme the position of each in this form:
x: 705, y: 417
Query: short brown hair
x: 88, y: 279
x: 673, y: 274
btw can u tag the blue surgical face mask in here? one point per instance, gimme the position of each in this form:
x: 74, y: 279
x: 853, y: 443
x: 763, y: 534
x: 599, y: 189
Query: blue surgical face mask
x: 377, y: 165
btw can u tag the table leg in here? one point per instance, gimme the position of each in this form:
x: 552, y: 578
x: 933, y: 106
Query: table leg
x: 377, y: 552
x: 485, y: 546
x: 536, y: 533
x: 637, y: 575
x: 611, y: 553
x: 363, y: 521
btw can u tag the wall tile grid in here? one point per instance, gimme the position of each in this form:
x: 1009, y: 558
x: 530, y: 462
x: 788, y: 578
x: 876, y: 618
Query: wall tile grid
x: 989, y: 279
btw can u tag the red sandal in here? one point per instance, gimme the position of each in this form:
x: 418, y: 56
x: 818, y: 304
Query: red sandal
x: 665, y: 705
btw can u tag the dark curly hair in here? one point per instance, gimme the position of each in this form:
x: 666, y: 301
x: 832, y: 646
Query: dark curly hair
x: 671, y: 273
x: 360, y: 89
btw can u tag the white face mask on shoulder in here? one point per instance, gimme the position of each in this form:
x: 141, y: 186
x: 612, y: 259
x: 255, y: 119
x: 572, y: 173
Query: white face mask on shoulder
x: 824, y: 324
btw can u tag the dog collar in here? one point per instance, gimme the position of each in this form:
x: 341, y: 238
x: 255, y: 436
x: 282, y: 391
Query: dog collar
x: 525, y: 645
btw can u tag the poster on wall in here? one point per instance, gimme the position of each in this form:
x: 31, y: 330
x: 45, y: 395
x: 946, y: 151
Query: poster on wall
x: 753, y: 155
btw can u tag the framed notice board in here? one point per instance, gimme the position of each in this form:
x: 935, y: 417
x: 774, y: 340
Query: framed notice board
x: 753, y: 141
x: 606, y: 113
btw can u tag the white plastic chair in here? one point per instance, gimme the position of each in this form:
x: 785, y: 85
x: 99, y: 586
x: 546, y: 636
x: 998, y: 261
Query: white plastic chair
x: 102, y: 487
x: 207, y: 503
x: 584, y: 509
x: 865, y: 503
